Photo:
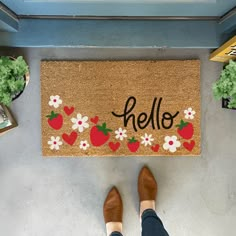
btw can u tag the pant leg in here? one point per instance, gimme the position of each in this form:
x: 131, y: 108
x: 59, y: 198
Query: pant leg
x: 116, y: 234
x: 152, y: 225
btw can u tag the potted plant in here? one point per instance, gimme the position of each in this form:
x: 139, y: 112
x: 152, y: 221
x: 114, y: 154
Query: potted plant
x: 225, y: 87
x: 14, y: 76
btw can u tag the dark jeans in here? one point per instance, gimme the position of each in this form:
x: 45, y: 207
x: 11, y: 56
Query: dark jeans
x: 151, y: 225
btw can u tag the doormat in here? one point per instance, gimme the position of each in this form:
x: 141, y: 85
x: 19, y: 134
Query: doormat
x: 120, y: 108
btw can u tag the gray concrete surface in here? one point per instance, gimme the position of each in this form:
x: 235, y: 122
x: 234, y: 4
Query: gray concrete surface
x: 64, y: 196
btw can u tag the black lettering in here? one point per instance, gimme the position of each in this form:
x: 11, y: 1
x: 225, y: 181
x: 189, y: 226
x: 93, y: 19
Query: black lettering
x: 142, y: 120
x: 167, y: 116
x: 158, y: 113
x: 127, y: 111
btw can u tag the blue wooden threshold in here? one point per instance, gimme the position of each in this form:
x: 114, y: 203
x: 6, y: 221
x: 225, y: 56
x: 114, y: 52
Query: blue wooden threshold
x: 228, y: 25
x: 113, y: 33
x: 8, y: 22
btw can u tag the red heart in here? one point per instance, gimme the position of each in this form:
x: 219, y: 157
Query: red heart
x: 114, y: 146
x: 69, y: 110
x: 189, y: 146
x: 94, y: 120
x: 155, y: 148
x: 71, y: 138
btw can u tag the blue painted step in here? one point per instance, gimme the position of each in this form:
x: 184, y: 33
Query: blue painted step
x: 113, y: 33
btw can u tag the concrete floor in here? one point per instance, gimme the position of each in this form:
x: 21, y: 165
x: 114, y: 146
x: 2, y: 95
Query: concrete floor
x: 64, y: 196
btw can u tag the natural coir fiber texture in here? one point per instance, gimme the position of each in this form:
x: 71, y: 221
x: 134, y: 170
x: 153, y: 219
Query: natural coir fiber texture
x: 121, y: 108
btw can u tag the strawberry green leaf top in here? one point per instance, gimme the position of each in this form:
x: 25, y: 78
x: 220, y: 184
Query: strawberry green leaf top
x: 132, y: 140
x: 103, y: 128
x: 182, y: 124
x: 185, y: 129
x: 53, y: 115
x: 55, y: 120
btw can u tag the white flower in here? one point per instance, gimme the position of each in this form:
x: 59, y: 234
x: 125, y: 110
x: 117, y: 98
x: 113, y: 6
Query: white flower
x: 80, y: 122
x: 55, y: 101
x: 189, y: 113
x: 120, y: 134
x: 171, y: 143
x: 84, y: 144
x: 55, y: 143
x: 147, y: 139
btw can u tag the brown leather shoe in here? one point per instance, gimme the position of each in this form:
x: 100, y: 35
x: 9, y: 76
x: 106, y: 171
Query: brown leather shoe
x: 113, y: 207
x: 147, y: 185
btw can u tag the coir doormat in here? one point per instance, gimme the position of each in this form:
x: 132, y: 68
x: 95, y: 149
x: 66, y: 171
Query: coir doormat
x: 120, y: 108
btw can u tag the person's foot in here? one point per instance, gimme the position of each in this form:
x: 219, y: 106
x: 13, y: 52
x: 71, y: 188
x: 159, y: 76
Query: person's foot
x: 113, y: 211
x: 147, y: 189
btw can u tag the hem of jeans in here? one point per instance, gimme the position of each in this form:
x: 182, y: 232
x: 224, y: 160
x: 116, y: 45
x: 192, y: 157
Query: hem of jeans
x: 147, y: 210
x: 116, y: 233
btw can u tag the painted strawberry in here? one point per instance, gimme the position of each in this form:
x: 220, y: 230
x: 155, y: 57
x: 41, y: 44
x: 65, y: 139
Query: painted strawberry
x: 185, y: 129
x: 55, y: 120
x: 133, y: 144
x: 99, y: 135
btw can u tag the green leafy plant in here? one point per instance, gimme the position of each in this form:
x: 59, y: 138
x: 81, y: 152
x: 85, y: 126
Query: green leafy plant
x: 12, y: 81
x: 225, y: 87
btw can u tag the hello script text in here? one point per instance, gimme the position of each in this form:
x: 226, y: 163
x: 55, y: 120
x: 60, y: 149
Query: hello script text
x: 142, y: 120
